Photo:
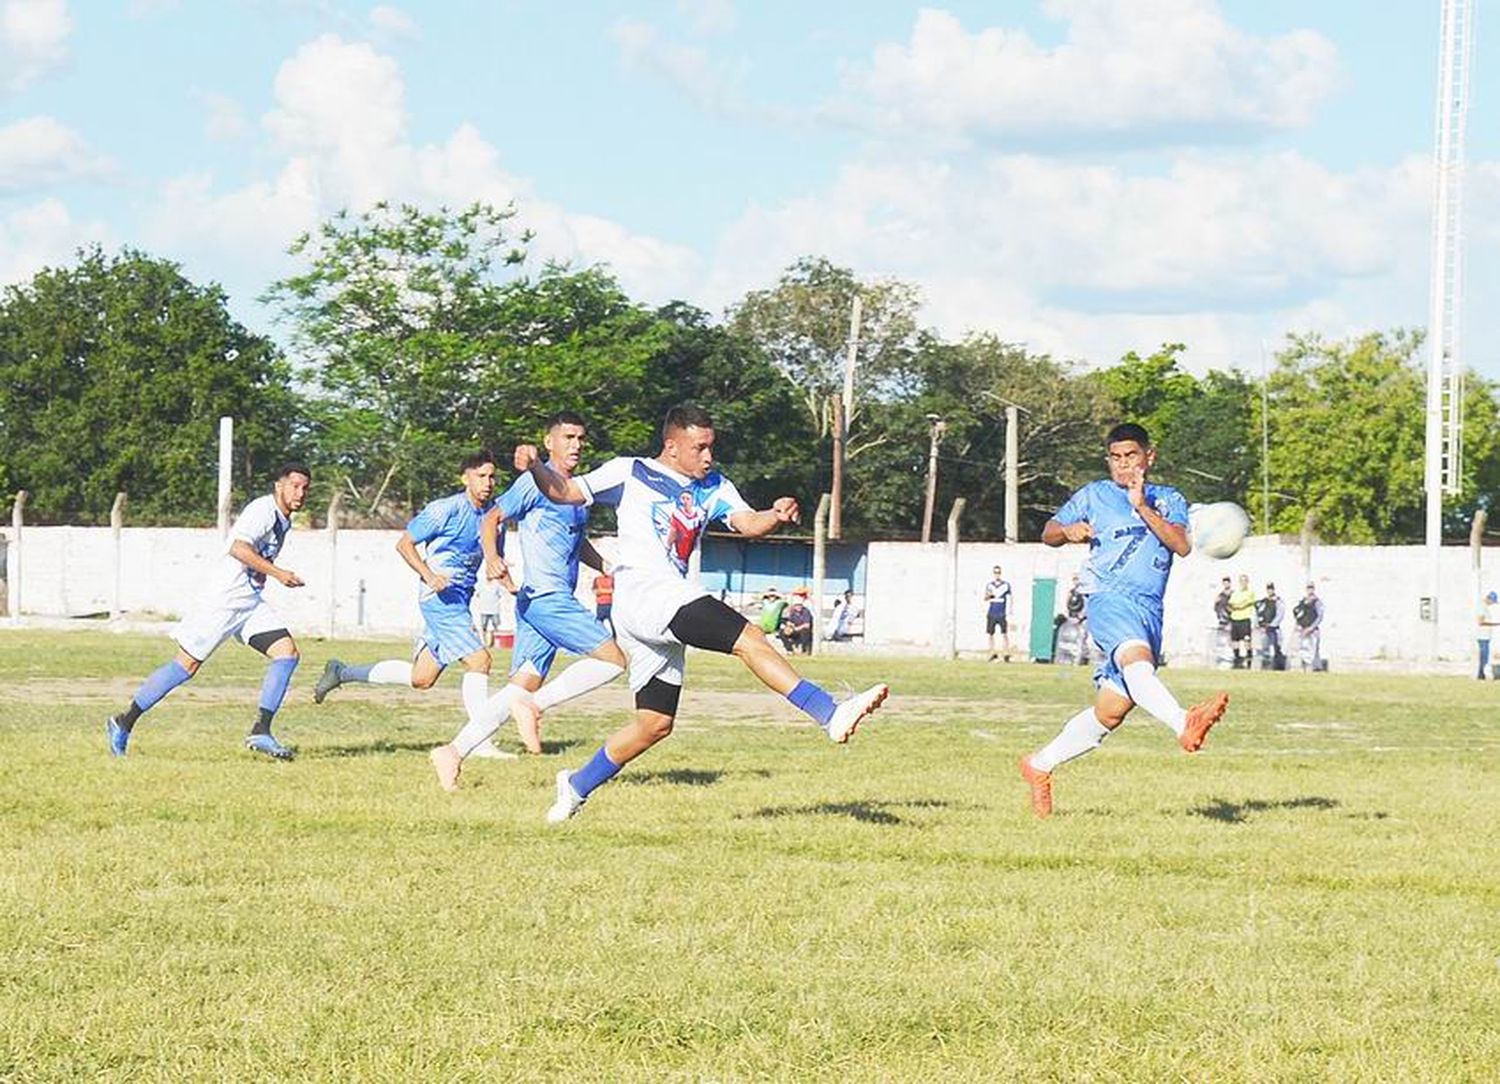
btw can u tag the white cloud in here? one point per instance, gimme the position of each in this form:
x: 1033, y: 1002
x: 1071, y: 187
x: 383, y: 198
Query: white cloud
x: 33, y: 39
x: 340, y: 124
x: 392, y: 22
x: 42, y: 235
x: 1139, y: 70
x: 688, y: 67
x: 39, y: 151
x: 708, y: 18
x: 224, y: 118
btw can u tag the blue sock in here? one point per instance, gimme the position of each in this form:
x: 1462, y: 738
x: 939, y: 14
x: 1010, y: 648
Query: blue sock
x: 163, y: 680
x: 813, y: 700
x: 356, y: 673
x: 278, y: 677
x: 594, y: 774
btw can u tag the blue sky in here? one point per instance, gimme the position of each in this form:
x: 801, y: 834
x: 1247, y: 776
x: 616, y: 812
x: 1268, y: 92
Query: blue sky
x: 1085, y: 176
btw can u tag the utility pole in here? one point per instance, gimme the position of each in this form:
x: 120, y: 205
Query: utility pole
x: 843, y: 407
x: 938, y: 428
x: 1012, y: 473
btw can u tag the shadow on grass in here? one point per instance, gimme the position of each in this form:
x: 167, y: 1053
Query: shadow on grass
x: 368, y: 749
x: 561, y: 745
x: 864, y: 812
x: 687, y: 777
x: 1238, y: 812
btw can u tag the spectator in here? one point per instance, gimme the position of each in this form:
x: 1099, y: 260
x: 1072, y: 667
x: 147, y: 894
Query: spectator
x: 797, y: 624
x: 1308, y: 613
x: 997, y: 601
x: 843, y: 617
x: 1241, y: 611
x: 1489, y: 617
x: 771, y: 607
x: 1269, y: 613
x: 487, y: 606
x: 1221, y: 604
x: 1077, y: 602
x: 604, y: 599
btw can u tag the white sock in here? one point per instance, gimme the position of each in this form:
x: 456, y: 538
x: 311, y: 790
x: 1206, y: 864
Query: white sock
x: 390, y: 672
x: 481, y: 727
x: 1079, y: 735
x: 475, y: 690
x: 584, y: 676
x: 1146, y: 689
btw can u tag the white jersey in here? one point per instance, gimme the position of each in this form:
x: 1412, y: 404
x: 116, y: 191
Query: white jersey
x: 662, y: 514
x: 264, y: 526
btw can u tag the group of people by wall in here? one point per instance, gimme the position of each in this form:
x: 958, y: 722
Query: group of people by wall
x: 1244, y: 617
x: 790, y: 618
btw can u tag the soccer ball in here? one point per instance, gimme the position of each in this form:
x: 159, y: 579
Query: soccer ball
x: 1218, y: 529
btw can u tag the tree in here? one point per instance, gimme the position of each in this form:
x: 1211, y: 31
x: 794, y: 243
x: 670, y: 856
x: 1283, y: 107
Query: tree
x: 113, y: 375
x: 390, y: 320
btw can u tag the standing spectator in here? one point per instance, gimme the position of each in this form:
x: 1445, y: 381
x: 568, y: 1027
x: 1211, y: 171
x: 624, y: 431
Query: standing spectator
x: 1241, y: 611
x: 1269, y: 613
x: 1489, y: 617
x: 843, y: 617
x: 604, y: 599
x: 1221, y: 603
x: 997, y: 602
x: 1308, y: 613
x: 797, y: 625
x: 487, y: 606
x: 1077, y: 601
x: 771, y: 607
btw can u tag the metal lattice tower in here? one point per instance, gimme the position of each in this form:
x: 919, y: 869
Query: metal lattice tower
x: 1445, y: 370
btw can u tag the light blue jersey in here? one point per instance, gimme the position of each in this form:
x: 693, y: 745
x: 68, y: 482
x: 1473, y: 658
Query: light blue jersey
x: 551, y: 536
x: 449, y: 527
x: 1124, y: 556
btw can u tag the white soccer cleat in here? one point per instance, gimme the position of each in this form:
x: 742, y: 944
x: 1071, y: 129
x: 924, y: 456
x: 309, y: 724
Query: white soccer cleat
x: 488, y: 750
x: 568, y: 802
x: 850, y: 713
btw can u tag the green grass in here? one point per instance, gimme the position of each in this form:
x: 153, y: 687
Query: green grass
x: 1315, y: 896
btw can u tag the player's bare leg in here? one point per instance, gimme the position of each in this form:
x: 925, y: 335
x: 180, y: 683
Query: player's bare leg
x: 624, y: 745
x: 776, y: 673
x: 600, y: 667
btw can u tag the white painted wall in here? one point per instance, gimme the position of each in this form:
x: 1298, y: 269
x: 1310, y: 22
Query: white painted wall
x: 1371, y: 593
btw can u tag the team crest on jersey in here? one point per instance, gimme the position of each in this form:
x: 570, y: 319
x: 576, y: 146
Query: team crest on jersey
x: 679, y: 524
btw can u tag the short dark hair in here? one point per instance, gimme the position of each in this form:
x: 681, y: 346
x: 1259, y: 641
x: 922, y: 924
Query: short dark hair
x: 563, y: 417
x: 686, y: 416
x: 294, y: 466
x: 476, y: 459
x: 1128, y: 431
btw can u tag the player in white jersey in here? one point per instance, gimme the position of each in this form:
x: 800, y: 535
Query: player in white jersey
x: 234, y: 607
x: 665, y: 503
x: 449, y: 529
x: 1133, y: 529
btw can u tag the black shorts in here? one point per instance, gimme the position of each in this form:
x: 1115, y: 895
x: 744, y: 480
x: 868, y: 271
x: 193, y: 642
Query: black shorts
x: 995, y: 621
x: 1239, y: 629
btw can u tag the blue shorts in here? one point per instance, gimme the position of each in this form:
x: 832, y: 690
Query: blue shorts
x: 448, y: 627
x: 545, y: 623
x: 1120, y: 619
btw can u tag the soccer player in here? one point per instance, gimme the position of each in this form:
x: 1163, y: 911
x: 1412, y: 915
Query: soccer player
x: 1133, y: 529
x: 659, y: 611
x: 997, y: 600
x: 235, y: 608
x: 449, y: 529
x: 548, y: 613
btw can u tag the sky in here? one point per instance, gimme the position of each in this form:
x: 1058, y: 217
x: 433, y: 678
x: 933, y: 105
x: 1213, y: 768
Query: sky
x: 1086, y: 177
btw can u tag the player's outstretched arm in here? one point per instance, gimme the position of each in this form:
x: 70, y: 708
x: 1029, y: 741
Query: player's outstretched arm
x: 552, y: 485
x: 759, y: 524
x: 245, y: 554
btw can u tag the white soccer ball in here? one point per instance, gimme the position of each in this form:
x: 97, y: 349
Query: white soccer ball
x: 1219, y: 529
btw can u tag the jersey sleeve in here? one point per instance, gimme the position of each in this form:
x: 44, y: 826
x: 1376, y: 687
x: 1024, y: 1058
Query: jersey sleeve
x: 428, y: 523
x: 1175, y: 508
x: 256, y: 523
x: 606, y: 484
x: 1075, y: 509
x: 726, y: 502
x: 520, y: 498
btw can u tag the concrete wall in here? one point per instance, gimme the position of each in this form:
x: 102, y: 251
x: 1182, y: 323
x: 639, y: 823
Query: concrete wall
x: 357, y: 584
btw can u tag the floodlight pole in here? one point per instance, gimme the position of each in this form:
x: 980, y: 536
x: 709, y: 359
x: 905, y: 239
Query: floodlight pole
x: 936, y: 434
x: 843, y: 407
x: 226, y: 466
x: 1012, y: 473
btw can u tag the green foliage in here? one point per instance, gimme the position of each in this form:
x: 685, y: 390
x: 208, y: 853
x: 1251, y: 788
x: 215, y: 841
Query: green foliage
x: 113, y: 375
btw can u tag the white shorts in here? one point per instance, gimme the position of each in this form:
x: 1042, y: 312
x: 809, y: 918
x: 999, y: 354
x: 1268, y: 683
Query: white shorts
x: 201, y: 632
x: 643, y: 609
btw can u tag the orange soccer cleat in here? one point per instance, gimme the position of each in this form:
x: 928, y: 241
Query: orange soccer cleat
x: 1200, y: 720
x: 1041, y: 788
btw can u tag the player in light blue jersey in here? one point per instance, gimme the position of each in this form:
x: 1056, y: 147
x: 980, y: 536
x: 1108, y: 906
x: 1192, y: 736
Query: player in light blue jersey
x: 548, y: 613
x: 449, y: 530
x: 1133, y: 529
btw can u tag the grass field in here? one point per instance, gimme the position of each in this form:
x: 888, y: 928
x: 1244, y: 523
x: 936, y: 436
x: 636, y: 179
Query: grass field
x: 1315, y: 896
